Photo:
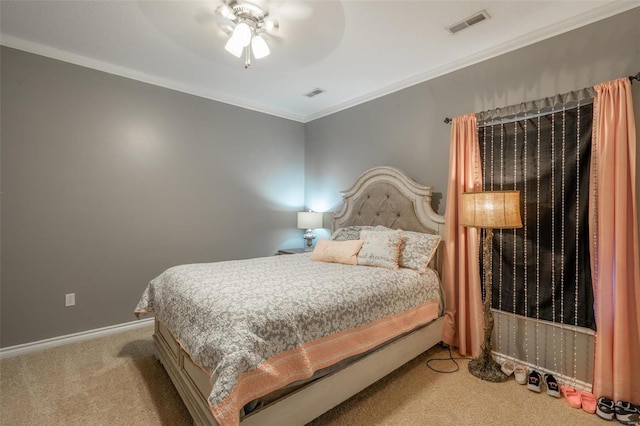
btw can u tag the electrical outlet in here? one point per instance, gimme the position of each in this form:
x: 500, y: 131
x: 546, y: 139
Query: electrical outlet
x: 70, y: 299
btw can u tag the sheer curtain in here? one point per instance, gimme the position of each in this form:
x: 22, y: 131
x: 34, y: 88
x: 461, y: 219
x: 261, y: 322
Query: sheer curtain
x: 614, y: 243
x: 464, y: 324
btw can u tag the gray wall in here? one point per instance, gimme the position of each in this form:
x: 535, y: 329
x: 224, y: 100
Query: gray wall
x: 406, y: 130
x: 107, y: 181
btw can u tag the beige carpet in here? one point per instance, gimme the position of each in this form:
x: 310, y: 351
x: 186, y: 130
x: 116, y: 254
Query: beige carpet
x: 116, y: 380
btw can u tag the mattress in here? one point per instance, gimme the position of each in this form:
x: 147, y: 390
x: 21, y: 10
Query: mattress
x: 257, y: 325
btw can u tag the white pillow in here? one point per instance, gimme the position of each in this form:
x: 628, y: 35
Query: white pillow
x: 417, y: 250
x: 380, y: 248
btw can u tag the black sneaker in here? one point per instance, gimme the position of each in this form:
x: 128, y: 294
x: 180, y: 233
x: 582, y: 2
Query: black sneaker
x: 534, y: 381
x: 605, y: 408
x: 627, y: 413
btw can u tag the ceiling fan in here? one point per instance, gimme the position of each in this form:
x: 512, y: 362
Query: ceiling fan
x: 246, y: 22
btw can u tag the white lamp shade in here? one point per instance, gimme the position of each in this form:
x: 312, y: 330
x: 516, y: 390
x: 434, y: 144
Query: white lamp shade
x: 309, y: 220
x: 259, y: 47
x: 491, y: 209
x: 242, y: 33
x: 234, y: 47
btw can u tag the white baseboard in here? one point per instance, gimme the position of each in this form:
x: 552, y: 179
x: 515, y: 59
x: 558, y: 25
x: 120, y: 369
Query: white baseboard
x: 26, y: 348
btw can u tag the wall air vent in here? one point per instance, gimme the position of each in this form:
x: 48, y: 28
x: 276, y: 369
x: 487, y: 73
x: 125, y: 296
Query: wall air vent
x: 471, y: 20
x: 314, y: 92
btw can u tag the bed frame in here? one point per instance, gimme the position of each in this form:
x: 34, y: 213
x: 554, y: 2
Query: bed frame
x: 380, y: 196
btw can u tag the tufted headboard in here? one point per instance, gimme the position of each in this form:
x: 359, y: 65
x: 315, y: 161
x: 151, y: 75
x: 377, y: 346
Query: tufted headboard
x: 386, y: 196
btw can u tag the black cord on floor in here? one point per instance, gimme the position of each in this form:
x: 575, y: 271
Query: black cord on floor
x: 451, y: 358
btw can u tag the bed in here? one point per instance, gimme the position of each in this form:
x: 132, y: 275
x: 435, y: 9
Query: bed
x: 289, y: 365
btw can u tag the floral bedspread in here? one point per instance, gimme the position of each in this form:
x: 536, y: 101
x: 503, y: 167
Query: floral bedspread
x: 259, y: 324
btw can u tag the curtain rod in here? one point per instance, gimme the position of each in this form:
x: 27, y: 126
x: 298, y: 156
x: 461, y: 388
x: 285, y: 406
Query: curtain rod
x: 636, y: 77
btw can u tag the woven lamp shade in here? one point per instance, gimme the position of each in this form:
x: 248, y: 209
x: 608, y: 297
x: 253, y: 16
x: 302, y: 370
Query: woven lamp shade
x: 491, y: 209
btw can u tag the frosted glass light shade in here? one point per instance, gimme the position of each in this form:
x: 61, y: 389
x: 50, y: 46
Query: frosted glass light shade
x: 242, y: 33
x: 234, y: 47
x: 309, y: 220
x: 491, y: 209
x: 259, y: 47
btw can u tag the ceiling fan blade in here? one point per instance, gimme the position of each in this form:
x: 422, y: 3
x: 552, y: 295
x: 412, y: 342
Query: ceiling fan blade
x: 225, y: 28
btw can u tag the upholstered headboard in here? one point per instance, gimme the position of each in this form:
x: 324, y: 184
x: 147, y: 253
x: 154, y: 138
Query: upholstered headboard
x: 386, y: 196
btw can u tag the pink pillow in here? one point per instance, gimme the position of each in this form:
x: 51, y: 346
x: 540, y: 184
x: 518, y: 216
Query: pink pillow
x: 337, y: 251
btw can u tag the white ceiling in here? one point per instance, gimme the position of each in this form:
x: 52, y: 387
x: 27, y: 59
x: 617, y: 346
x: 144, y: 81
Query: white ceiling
x: 355, y: 50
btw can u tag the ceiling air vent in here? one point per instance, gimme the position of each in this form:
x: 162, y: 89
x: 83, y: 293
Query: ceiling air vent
x: 314, y: 92
x: 471, y: 20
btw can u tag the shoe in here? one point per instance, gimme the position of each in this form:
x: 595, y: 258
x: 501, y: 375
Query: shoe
x: 627, y: 413
x: 534, y: 381
x: 507, y: 367
x: 605, y: 408
x: 572, y: 396
x: 552, y: 386
x: 520, y: 373
x: 588, y: 402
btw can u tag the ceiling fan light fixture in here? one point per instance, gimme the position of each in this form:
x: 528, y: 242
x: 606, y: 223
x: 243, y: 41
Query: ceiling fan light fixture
x: 259, y: 47
x: 242, y: 33
x: 250, y: 21
x: 234, y: 47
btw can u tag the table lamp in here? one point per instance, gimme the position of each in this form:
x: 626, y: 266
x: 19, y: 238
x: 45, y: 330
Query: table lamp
x: 309, y: 220
x: 489, y: 210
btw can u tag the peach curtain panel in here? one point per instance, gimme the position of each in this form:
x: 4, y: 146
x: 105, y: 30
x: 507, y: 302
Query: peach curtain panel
x: 614, y: 244
x: 464, y: 325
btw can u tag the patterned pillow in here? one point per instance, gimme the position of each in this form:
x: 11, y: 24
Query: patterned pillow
x: 337, y: 251
x: 417, y: 250
x: 349, y: 233
x: 380, y: 248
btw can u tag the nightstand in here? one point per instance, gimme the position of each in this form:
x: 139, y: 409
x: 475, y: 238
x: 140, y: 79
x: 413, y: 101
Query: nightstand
x: 294, y: 251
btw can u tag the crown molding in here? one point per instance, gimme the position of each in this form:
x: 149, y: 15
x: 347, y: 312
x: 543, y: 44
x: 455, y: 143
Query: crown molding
x: 72, y: 58
x: 594, y: 15
x: 606, y: 10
